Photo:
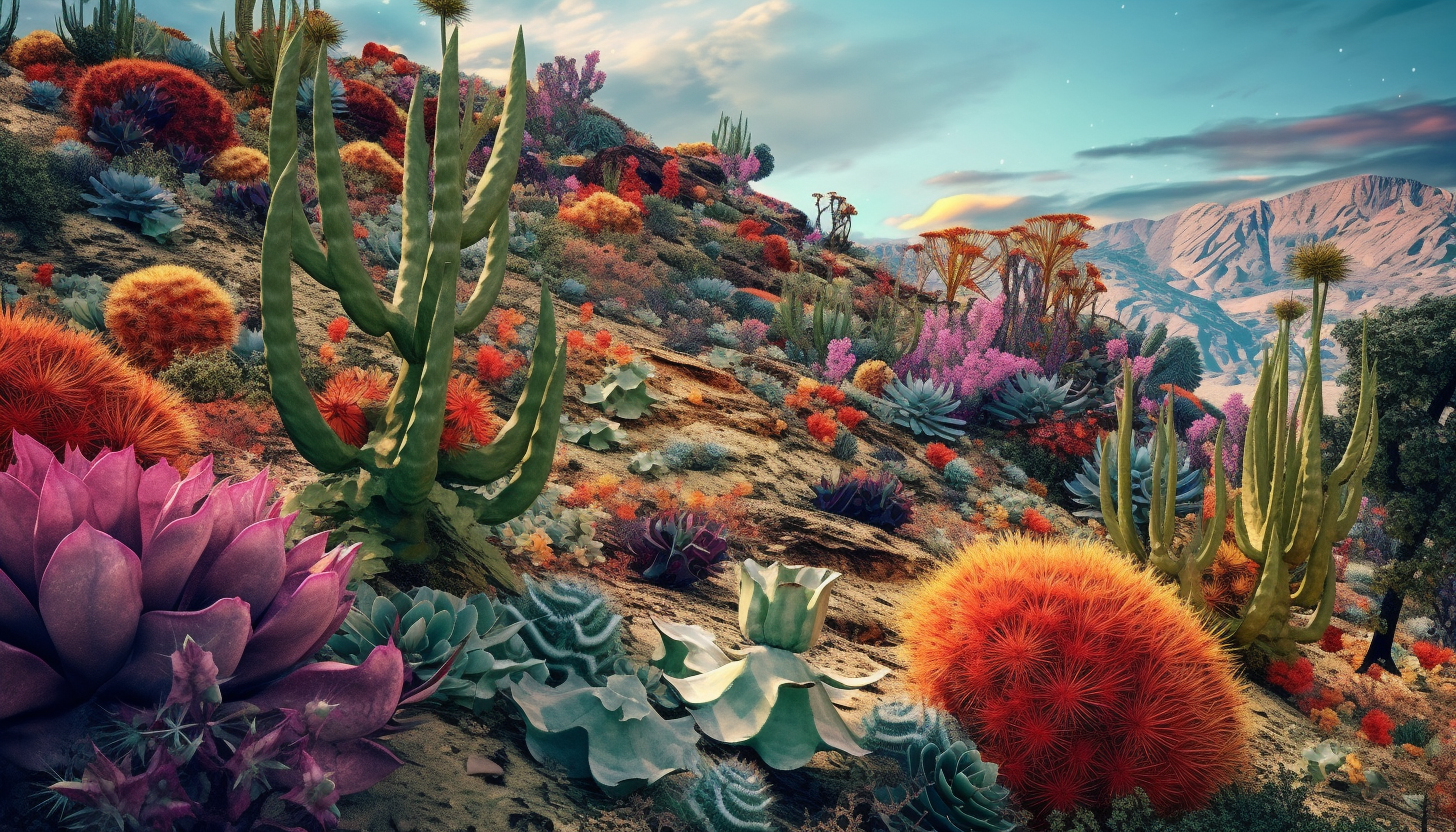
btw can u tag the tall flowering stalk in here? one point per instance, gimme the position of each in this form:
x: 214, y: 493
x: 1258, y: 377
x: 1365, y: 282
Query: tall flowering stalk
x: 963, y: 257
x: 956, y: 347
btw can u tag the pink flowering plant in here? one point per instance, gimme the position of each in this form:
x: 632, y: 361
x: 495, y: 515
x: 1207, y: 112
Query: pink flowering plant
x: 955, y: 348
x: 562, y: 92
x: 1202, y: 432
x: 839, y: 361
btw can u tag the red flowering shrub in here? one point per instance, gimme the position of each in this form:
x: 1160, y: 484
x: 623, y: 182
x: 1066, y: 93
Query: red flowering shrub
x: 400, y: 66
x: 201, y: 117
x: 375, y: 53
x: 850, y: 417
x: 492, y: 366
x: 751, y: 229
x: 1065, y: 438
x: 671, y: 180
x: 65, y: 76
x: 938, y: 455
x: 1431, y: 654
x: 776, y: 253
x: 1333, y: 641
x: 1294, y: 677
x: 829, y: 394
x: 631, y: 187
x: 1033, y: 521
x: 371, y: 110
x: 1376, y: 726
x: 606, y: 273
x: 823, y: 427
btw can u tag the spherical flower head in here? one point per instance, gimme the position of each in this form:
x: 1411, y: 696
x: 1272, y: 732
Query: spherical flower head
x: 450, y: 11
x: 322, y: 29
x: 1321, y: 262
x: 1289, y: 309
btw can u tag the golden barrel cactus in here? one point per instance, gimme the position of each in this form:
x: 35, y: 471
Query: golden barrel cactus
x: 239, y: 164
x: 163, y: 311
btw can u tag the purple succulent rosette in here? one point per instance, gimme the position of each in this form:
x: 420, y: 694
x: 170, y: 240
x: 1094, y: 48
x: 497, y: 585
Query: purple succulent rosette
x: 106, y: 568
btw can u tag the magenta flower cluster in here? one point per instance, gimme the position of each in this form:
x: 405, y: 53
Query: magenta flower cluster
x: 955, y: 348
x: 751, y: 334
x: 739, y: 170
x: 559, y: 86
x: 1205, y: 431
x: 1116, y: 350
x: 839, y: 361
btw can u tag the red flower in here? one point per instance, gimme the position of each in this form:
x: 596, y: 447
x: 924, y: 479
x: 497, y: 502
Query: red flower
x: 822, y: 427
x: 43, y: 274
x: 338, y: 328
x: 829, y: 394
x: 1376, y: 726
x: 1333, y: 640
x: 491, y: 366
x: 671, y: 180
x: 850, y: 417
x: 751, y: 229
x: 587, y: 309
x: 938, y: 455
x: 1032, y: 521
x: 1431, y: 655
x: 1295, y: 677
x: 776, y: 253
x: 603, y: 339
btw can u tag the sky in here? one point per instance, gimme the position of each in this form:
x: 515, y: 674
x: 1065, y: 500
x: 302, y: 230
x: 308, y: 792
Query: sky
x: 930, y: 113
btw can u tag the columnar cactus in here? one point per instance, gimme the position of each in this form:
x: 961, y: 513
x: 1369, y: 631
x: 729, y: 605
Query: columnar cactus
x: 765, y: 696
x: 258, y: 49
x: 421, y: 321
x: 1289, y: 514
x: 1188, y: 562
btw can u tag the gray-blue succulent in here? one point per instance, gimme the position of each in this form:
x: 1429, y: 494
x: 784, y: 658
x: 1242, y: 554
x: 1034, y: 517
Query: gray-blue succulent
x: 338, y: 98
x: 1086, y: 487
x: 921, y: 406
x: 136, y: 198
x: 42, y: 95
x: 1026, y: 399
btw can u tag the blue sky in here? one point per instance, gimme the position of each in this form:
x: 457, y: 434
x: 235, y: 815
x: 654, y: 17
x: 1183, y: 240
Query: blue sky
x: 927, y: 113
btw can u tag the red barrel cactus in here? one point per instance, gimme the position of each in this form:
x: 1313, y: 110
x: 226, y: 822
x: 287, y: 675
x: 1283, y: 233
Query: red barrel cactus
x: 107, y: 567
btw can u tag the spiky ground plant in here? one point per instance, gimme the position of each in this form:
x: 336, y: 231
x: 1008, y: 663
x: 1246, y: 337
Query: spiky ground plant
x: 163, y: 311
x: 1081, y: 674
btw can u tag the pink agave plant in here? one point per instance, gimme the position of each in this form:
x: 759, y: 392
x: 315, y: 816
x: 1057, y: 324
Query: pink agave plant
x: 107, y: 568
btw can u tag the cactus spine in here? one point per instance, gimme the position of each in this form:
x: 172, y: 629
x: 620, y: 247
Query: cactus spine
x: 1289, y: 514
x: 1188, y: 562
x: 421, y: 321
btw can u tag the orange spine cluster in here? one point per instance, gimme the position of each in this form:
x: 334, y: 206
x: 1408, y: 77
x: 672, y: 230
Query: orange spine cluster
x: 239, y: 164
x: 373, y: 158
x: 201, y: 116
x: 602, y: 211
x: 64, y: 387
x: 163, y: 311
x: 1081, y: 674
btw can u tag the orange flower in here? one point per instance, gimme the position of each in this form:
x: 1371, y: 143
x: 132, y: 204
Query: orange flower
x: 539, y: 546
x: 606, y: 486
x: 797, y: 401
x: 370, y: 385
x: 338, y: 328
x: 1032, y: 521
x: 807, y: 386
x: 938, y: 455
x: 575, y: 341
x: 586, y: 312
x: 742, y: 488
x: 625, y: 511
x: 468, y: 414
x: 850, y: 417
x: 492, y: 366
x: 823, y: 427
x: 326, y: 354
x: 603, y: 339
x: 697, y: 500
x: 621, y: 354
x: 340, y: 405
x: 506, y: 321
x: 829, y: 394
x: 581, y: 495
x: 695, y: 397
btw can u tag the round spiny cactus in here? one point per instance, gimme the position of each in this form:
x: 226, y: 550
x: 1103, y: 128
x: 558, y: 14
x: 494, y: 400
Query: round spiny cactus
x: 899, y: 726
x: 730, y: 797
x: 1321, y: 262
x: 63, y: 387
x: 238, y: 164
x: 568, y: 625
x: 872, y: 376
x: 1083, y: 675
x: 162, y: 311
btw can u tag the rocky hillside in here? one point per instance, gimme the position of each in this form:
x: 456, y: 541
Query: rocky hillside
x: 1211, y: 271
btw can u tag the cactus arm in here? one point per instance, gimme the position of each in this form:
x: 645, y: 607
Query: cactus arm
x: 1124, y: 467
x: 1271, y: 590
x: 494, y: 190
x: 480, y: 466
x: 1305, y: 495
x: 1213, y: 532
x: 1314, y: 629
x: 526, y: 484
x: 313, y: 437
x: 356, y: 291
x: 487, y: 289
x: 415, y: 236
x: 418, y: 458
x: 1163, y: 497
x: 1115, y: 529
x: 282, y: 140
x: 1360, y: 447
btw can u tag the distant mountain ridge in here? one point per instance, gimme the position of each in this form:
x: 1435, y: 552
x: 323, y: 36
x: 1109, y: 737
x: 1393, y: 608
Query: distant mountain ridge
x: 1211, y: 271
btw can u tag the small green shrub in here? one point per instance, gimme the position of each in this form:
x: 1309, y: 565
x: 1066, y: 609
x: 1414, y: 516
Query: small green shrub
x: 662, y: 217
x: 149, y: 161
x: 723, y: 212
x: 29, y: 197
x: 206, y: 376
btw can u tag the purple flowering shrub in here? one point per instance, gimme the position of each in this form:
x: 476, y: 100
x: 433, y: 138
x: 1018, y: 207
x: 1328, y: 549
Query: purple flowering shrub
x: 1202, y: 433
x: 107, y: 567
x: 562, y: 92
x: 955, y: 348
x: 198, y: 763
x: 839, y: 361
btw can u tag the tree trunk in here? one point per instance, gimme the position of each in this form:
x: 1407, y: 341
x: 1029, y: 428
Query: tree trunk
x: 1379, y: 652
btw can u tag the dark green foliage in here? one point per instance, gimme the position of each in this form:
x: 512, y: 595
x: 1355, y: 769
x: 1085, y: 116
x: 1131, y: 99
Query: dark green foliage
x: 148, y: 161
x: 713, y: 249
x: 1039, y: 463
x: 595, y: 133
x: 723, y: 212
x: 662, y: 217
x: 544, y: 205
x: 7, y: 23
x: 687, y: 260
x: 1153, y: 340
x: 845, y: 446
x: 72, y: 165
x: 107, y: 36
x: 1412, y: 732
x: 206, y: 376
x: 753, y: 306
x: 1275, y: 806
x: 765, y: 162
x: 1179, y: 364
x: 315, y: 372
x: 28, y: 195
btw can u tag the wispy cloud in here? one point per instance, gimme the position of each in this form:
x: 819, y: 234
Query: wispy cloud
x: 979, y: 210
x: 988, y: 177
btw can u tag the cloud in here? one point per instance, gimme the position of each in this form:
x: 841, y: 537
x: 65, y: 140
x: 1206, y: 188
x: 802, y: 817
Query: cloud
x: 980, y: 210
x: 987, y: 177
x: 1363, y: 133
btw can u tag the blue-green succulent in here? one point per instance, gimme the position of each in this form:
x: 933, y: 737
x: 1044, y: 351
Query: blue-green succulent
x: 957, y: 791
x: 730, y: 797
x: 623, y: 391
x: 898, y: 726
x: 599, y: 434
x: 431, y: 627
x: 338, y: 98
x: 137, y: 199
x: 714, y: 290
x: 188, y: 55
x: 1086, y: 487
x: 568, y: 625
x: 1026, y: 399
x: 921, y: 406
x: 42, y: 95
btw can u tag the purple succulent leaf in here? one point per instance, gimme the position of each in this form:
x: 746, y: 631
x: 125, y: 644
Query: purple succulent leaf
x: 188, y: 495
x: 346, y: 601
x: 17, y: 527
x: 355, y: 765
x: 20, y: 623
x: 250, y: 568
x: 113, y: 481
x: 365, y: 696
x: 299, y: 616
x: 64, y: 505
x: 153, y: 797
x: 29, y: 682
x: 153, y: 492
x: 91, y: 602
x: 173, y: 554
x: 76, y: 462
x: 239, y: 505
x: 32, y: 460
x: 194, y: 677
x: 308, y: 552
x: 315, y: 791
x: 428, y: 688
x: 221, y: 629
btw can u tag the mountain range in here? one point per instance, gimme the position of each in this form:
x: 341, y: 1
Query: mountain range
x: 1211, y: 271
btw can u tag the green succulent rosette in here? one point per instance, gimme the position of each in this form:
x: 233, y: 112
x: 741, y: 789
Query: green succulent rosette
x: 783, y: 606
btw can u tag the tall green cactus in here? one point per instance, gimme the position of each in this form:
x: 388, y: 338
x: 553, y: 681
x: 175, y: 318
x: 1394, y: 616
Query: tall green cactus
x: 1187, y: 562
x: 421, y: 321
x: 1289, y: 514
x: 109, y: 35
x: 833, y: 315
x: 261, y: 52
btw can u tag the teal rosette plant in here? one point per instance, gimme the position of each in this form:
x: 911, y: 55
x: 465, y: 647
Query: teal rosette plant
x: 957, y: 791
x: 765, y: 696
x: 623, y: 392
x: 568, y: 625
x: 923, y: 407
x: 730, y: 797
x: 430, y: 627
x: 611, y: 733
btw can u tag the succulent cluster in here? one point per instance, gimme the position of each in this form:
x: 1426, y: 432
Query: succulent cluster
x: 879, y: 499
x: 1027, y: 398
x: 957, y: 792
x: 678, y: 548
x: 436, y: 631
x: 898, y: 726
x: 730, y: 797
x: 623, y: 391
x: 921, y: 406
x: 599, y: 434
x: 140, y: 200
x: 1086, y: 488
x: 568, y: 625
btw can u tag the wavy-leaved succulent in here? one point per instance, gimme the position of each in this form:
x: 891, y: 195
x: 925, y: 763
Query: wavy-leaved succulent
x: 568, y: 625
x: 879, y: 499
x: 730, y: 797
x: 622, y: 391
